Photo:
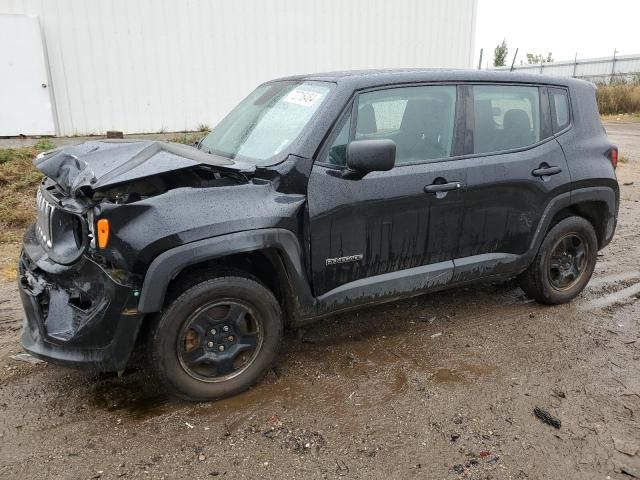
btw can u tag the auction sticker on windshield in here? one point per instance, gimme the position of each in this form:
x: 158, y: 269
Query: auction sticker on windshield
x: 305, y: 98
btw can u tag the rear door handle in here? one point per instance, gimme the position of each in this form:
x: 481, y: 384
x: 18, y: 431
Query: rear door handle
x: 546, y: 171
x: 442, y: 187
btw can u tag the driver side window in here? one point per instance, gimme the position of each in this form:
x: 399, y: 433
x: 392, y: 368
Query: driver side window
x: 418, y: 119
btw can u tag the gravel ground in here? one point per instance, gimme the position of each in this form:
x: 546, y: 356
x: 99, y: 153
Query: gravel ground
x: 441, y: 386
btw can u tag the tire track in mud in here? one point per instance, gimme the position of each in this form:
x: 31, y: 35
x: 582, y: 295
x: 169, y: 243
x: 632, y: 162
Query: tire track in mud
x: 613, y: 278
x: 612, y: 289
x: 625, y: 295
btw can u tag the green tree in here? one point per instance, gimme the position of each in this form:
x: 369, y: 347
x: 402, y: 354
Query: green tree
x: 500, y: 54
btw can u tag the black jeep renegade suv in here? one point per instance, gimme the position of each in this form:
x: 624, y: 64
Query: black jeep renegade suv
x: 315, y: 195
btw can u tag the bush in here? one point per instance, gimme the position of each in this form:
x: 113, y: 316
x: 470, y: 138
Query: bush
x: 618, y: 98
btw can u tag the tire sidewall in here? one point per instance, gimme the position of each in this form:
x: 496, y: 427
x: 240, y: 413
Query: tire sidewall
x: 163, y: 348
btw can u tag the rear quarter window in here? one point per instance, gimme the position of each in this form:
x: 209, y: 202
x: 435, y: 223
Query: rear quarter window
x: 560, y: 111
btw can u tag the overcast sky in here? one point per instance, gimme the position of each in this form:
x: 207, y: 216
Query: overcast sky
x: 590, y: 28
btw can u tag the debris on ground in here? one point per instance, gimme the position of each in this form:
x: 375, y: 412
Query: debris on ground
x: 429, y: 320
x: 298, y: 440
x: 559, y: 393
x: 625, y: 446
x: 304, y: 441
x: 26, y: 357
x: 341, y: 468
x: 436, y: 335
x: 632, y: 472
x: 547, y: 417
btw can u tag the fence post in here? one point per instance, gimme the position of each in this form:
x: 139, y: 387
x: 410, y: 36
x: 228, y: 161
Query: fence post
x: 514, y: 60
x: 613, y: 65
x: 575, y: 65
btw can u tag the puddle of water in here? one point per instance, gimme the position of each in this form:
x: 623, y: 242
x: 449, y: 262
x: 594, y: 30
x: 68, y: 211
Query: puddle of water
x: 134, y: 398
x: 446, y: 375
x: 478, y: 369
x: 400, y: 381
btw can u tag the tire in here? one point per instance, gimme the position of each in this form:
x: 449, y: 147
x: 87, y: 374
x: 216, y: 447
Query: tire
x: 548, y: 279
x: 186, y: 341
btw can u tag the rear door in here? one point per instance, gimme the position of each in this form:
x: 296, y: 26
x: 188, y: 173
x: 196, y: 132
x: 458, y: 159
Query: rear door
x: 386, y: 222
x: 514, y: 169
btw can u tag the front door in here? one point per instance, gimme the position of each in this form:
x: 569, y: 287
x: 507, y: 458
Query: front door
x: 390, y: 221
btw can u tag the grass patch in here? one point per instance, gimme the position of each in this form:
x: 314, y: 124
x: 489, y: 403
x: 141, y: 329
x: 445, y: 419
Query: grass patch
x: 618, y: 99
x: 44, y: 144
x: 18, y: 183
x: 9, y: 253
x: 187, y: 138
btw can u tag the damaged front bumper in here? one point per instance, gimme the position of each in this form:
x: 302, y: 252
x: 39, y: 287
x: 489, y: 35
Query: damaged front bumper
x: 77, y: 315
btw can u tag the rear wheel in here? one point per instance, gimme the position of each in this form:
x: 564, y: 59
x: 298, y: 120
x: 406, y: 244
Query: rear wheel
x: 217, y: 338
x: 564, y: 264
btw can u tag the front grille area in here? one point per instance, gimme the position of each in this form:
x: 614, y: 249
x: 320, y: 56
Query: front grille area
x: 60, y: 231
x: 44, y: 221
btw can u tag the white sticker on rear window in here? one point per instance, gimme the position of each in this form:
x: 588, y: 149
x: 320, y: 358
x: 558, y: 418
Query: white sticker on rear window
x: 305, y: 98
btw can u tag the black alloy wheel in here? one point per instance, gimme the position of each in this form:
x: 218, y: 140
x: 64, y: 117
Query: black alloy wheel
x: 568, y: 261
x: 219, y: 341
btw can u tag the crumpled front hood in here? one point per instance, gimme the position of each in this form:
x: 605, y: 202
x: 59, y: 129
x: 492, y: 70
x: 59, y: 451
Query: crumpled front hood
x: 102, y: 163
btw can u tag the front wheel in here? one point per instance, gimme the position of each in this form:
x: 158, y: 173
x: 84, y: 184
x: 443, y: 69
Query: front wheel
x: 217, y: 338
x: 564, y: 264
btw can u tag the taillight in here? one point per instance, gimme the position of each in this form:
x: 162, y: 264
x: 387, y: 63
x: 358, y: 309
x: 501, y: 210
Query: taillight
x: 613, y: 157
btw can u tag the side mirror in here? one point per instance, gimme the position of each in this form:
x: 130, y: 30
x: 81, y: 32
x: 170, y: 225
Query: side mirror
x: 375, y: 155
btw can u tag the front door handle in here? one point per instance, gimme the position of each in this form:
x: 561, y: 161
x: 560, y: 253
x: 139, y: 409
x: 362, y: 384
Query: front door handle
x: 442, y: 187
x: 545, y: 171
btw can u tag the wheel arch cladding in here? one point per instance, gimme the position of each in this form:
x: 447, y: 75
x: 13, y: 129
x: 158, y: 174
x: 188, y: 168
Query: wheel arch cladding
x: 594, y: 211
x: 278, y: 246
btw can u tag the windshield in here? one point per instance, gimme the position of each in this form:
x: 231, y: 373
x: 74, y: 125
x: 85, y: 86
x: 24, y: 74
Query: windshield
x: 267, y: 121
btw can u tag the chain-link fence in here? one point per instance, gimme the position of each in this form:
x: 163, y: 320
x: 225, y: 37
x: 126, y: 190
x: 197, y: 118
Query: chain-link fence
x: 606, y: 70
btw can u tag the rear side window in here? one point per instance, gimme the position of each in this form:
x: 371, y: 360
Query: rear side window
x: 506, y: 117
x: 418, y: 119
x: 560, y: 114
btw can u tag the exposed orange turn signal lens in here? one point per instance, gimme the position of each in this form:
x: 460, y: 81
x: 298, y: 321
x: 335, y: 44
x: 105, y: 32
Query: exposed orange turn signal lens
x: 103, y: 232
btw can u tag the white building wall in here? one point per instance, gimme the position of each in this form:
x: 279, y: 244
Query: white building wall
x: 171, y: 65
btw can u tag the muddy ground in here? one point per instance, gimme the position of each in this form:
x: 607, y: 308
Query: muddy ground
x: 441, y: 386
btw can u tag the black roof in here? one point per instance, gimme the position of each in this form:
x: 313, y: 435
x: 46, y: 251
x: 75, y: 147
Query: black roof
x: 372, y: 78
